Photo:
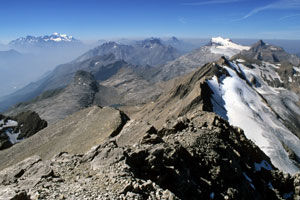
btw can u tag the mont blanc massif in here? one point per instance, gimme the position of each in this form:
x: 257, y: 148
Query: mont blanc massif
x: 152, y: 119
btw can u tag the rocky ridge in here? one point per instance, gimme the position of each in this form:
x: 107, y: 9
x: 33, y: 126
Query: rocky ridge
x: 200, y: 157
x: 231, y: 87
x: 125, y: 87
x: 75, y: 134
x: 55, y: 105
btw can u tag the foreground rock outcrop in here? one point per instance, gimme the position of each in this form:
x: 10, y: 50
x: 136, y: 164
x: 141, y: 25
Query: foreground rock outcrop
x: 199, y: 157
x: 19, y: 127
x: 75, y: 134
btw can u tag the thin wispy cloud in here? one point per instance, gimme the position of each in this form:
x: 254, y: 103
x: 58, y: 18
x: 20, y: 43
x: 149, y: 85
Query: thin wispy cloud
x: 277, y: 5
x: 289, y: 16
x: 201, y: 3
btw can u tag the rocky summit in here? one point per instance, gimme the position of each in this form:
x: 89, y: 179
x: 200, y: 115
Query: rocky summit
x: 200, y: 157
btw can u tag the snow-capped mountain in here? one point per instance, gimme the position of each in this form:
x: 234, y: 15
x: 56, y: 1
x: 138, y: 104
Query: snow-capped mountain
x: 260, y: 96
x: 225, y: 46
x: 242, y: 92
x: 45, y: 40
x: 243, y: 97
x: 186, y: 63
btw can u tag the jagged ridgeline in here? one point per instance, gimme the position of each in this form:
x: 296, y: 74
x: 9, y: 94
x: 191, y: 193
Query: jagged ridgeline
x: 221, y: 122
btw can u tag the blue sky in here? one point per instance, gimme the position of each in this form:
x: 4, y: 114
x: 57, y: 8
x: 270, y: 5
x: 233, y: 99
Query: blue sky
x: 96, y: 19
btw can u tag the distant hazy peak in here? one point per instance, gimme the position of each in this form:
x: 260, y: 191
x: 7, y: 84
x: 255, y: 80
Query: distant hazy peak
x: 111, y: 44
x: 260, y: 43
x: 174, y: 39
x: 149, y: 41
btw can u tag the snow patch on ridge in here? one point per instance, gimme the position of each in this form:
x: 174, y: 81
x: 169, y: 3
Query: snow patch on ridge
x: 227, y: 43
x: 226, y: 47
x: 235, y: 100
x: 8, y: 127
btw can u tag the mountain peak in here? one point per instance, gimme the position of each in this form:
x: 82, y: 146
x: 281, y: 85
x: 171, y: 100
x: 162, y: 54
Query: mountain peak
x: 220, y: 41
x: 149, y: 42
x: 225, y: 46
x: 174, y: 39
x: 55, y: 38
x: 84, y: 78
x: 259, y: 43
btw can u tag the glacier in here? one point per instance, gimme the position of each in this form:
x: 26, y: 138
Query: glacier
x: 243, y: 105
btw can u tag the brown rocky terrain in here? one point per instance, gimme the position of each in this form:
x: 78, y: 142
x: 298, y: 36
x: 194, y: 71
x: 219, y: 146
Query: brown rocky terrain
x: 188, y: 93
x: 75, y: 134
x: 200, y: 157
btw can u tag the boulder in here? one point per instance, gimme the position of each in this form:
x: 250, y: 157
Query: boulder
x: 29, y: 123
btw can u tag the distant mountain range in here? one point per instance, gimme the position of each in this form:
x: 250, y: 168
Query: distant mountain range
x: 33, y: 56
x: 146, y: 52
x: 111, y: 62
x: 220, y: 122
x: 186, y: 63
x: 43, y: 41
x: 106, y: 60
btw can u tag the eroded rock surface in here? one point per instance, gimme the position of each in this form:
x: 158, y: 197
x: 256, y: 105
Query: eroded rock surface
x: 75, y: 134
x: 199, y: 157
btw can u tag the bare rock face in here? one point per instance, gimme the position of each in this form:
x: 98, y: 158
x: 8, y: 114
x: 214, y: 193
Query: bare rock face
x: 16, y: 128
x: 84, y: 91
x: 196, y: 157
x: 76, y: 134
x: 269, y: 53
x: 29, y: 123
x: 191, y: 92
x: 18, y: 179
